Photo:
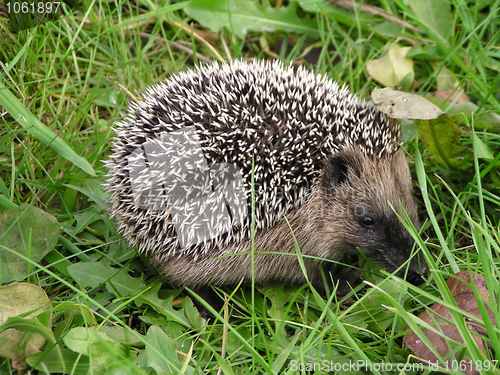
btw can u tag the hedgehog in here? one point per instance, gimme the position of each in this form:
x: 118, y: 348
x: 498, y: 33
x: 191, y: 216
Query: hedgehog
x: 240, y: 162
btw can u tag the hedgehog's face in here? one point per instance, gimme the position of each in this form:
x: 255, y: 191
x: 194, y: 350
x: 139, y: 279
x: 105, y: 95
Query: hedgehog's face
x: 359, y: 192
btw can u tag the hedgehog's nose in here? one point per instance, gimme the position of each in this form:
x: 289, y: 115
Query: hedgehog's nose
x: 415, y: 278
x: 417, y: 270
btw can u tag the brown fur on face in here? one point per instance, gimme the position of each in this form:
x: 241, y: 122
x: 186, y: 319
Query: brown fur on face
x: 349, y: 207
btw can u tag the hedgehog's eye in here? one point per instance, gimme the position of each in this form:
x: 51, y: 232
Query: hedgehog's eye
x: 368, y: 221
x: 364, y: 217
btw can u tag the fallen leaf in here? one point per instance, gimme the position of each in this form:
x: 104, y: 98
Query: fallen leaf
x: 465, y: 300
x: 441, y: 136
x: 393, y: 67
x: 451, y: 94
x: 28, y: 231
x: 15, y: 300
x: 400, y: 104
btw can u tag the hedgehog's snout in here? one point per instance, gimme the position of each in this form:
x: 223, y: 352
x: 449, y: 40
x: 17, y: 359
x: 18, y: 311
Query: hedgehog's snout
x: 418, y: 267
x: 416, y: 271
x: 415, y: 278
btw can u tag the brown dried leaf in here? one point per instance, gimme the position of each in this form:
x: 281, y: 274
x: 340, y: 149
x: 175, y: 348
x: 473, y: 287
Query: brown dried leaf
x: 465, y: 300
x: 451, y: 94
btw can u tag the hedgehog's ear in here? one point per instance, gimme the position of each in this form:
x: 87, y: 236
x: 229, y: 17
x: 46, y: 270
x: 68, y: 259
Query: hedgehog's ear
x: 339, y: 169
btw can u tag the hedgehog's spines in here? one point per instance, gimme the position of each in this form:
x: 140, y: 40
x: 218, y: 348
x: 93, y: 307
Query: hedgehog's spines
x: 290, y: 120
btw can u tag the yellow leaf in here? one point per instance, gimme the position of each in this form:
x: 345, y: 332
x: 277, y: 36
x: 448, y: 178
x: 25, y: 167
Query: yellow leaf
x: 393, y: 67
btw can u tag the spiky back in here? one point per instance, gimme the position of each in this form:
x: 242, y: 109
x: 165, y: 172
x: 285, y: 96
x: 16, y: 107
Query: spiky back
x: 289, y: 121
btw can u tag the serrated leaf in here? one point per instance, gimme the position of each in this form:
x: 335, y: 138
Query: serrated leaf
x: 372, y: 311
x: 162, y: 306
x: 279, y: 362
x: 192, y: 313
x: 110, y: 357
x: 161, y: 351
x: 277, y: 311
x: 38, y: 130
x: 28, y: 231
x: 242, y: 16
x: 278, y: 298
x: 92, y: 274
x: 124, y: 284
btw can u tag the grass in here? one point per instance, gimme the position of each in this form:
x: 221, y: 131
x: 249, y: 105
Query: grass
x: 108, y: 312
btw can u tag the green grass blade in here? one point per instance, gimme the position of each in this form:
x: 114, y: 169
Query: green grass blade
x: 422, y: 180
x: 38, y: 130
x: 157, y: 12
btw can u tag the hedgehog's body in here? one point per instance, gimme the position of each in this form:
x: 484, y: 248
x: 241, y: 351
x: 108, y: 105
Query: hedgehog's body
x: 181, y: 177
